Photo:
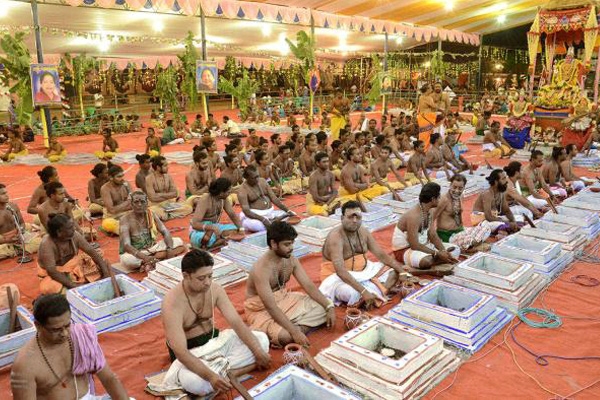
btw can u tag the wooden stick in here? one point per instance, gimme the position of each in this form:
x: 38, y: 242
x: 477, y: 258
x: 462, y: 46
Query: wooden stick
x: 529, y: 221
x: 396, y: 196
x: 552, y: 206
x: 238, y: 386
x: 488, y: 165
x: 13, y: 311
x: 115, y: 285
x: 317, y: 367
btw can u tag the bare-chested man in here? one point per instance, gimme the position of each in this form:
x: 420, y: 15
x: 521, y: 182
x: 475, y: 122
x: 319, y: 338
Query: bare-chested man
x: 12, y: 226
x: 163, y: 193
x: 55, y: 204
x: 114, y: 194
x: 16, y: 147
x: 533, y: 185
x: 193, y: 340
x: 355, y: 180
x: 198, y: 178
x: 207, y: 230
x: 307, y: 158
x: 153, y: 144
x: 276, y: 143
x: 322, y: 197
x: 519, y: 205
x: 576, y: 182
x: 340, y: 107
x: 58, y: 362
x: 144, y: 171
x: 213, y: 156
x: 61, y: 264
x: 100, y: 173
x: 381, y: 167
x: 492, y: 205
x: 456, y: 162
x: 257, y: 199
x: 434, y: 159
x: 441, y: 99
x: 494, y: 144
x: 552, y: 171
x: 449, y: 223
x: 291, y: 180
x: 347, y: 276
x: 285, y: 316
x: 47, y: 174
x: 415, y: 240
x: 139, y: 247
x: 416, y: 171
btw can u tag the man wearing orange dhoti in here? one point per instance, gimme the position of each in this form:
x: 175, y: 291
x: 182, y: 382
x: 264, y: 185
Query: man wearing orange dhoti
x: 426, y: 114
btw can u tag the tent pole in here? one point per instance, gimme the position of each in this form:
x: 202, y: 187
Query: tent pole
x: 310, y: 91
x: 597, y: 77
x: 203, y: 38
x: 480, y: 63
x: 46, y: 118
x: 385, y: 65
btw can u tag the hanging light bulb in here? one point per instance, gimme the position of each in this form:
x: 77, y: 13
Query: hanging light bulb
x: 502, y: 18
x: 449, y: 5
x: 266, y: 29
x: 158, y: 25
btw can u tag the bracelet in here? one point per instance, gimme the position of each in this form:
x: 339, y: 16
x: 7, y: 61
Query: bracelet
x: 329, y: 306
x: 363, y: 291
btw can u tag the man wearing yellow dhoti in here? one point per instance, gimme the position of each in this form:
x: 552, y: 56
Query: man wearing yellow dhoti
x: 494, y: 145
x: 11, y: 228
x: 322, y: 197
x: 285, y: 316
x: 66, y: 260
x: 381, y: 167
x: 163, y: 193
x: 355, y: 181
x: 339, y: 110
x: 346, y: 274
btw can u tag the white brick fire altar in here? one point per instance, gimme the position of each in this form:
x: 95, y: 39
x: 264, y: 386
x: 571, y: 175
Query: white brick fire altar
x: 168, y: 274
x: 572, y: 238
x: 584, y: 200
x: 398, y: 207
x: 377, y: 217
x: 293, y: 383
x: 249, y: 250
x: 588, y: 221
x: 95, y: 304
x: 548, y: 258
x: 10, y: 344
x: 314, y: 230
x: 514, y: 283
x: 418, y: 363
x: 463, y: 317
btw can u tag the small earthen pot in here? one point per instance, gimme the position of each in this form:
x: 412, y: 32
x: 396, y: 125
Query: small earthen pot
x: 595, y: 189
x: 407, y: 288
x: 353, y: 318
x: 293, y: 354
x: 236, y: 236
x: 294, y: 220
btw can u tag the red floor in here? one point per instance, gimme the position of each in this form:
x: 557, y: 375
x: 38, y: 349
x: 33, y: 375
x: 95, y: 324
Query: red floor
x: 490, y: 374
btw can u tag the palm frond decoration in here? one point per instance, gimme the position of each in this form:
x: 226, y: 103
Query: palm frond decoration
x: 240, y: 91
x: 304, y: 51
x: 375, y: 78
x: 16, y: 77
x: 188, y: 65
x: 166, y: 88
x: 438, y: 67
x: 82, y: 65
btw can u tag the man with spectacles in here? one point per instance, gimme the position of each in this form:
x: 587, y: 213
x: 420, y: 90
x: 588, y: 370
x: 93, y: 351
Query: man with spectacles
x: 139, y: 229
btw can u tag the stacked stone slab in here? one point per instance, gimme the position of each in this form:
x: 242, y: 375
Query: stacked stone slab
x: 462, y: 317
x: 420, y: 361
x: 513, y: 282
x: 95, y: 304
x: 398, y: 207
x: 588, y: 221
x: 292, y: 383
x: 548, y: 258
x: 10, y: 344
x: 584, y: 200
x: 572, y: 238
x: 249, y: 250
x: 168, y: 274
x: 314, y: 230
x: 376, y: 218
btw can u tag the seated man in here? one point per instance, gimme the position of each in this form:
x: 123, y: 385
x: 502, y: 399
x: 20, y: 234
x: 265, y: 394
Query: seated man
x: 283, y: 164
x: 456, y: 162
x: 230, y: 128
x: 533, y: 185
x: 347, y: 276
x: 162, y: 192
x: 206, y: 230
x: 381, y: 167
x: 577, y: 183
x: 138, y: 247
x: 56, y: 203
x: 153, y: 144
x: 322, y: 197
x: 110, y: 147
x: 56, y: 152
x: 16, y: 147
x: 519, y: 205
x: 60, y: 361
x: 169, y: 136
x: 114, y: 195
x: 415, y: 240
x: 492, y: 205
x: 552, y: 171
x: 434, y: 159
x: 285, y: 316
x: 448, y: 218
x: 257, y: 199
x: 416, y: 171
x: 100, y: 173
x: 198, y: 178
x: 61, y: 264
x: 12, y: 226
x: 201, y: 355
x: 494, y: 144
x: 354, y: 180
x: 234, y: 174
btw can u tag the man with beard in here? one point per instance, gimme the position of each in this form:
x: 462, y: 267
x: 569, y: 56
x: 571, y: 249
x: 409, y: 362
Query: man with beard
x: 354, y: 179
x: 307, y: 158
x: 532, y: 184
x: 340, y: 107
x: 415, y: 241
x: 198, y: 178
x: 448, y: 218
x: 60, y: 361
x: 291, y: 180
x: 138, y: 246
x: 257, y: 199
x: 163, y: 194
x: 416, y: 171
x: 492, y: 205
x: 114, y: 194
x: 322, y: 197
x: 276, y: 143
x: 285, y: 316
x: 441, y: 99
x: 347, y: 276
x: 234, y: 174
x: 381, y: 167
x: 202, y: 355
x: 372, y: 127
x: 434, y: 158
x: 576, y: 182
x: 552, y: 171
x: 456, y: 161
x: 391, y: 129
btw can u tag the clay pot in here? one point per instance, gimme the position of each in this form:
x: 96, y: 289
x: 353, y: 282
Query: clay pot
x: 294, y: 220
x: 353, y: 318
x: 293, y: 354
x: 407, y: 288
x: 595, y: 189
x: 236, y: 236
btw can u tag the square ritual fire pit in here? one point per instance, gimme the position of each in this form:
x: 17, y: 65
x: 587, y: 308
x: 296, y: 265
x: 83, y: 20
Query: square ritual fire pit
x: 255, y: 246
x: 293, y: 383
x: 172, y: 267
x: 571, y: 237
x: 519, y: 247
x: 374, y: 212
x: 10, y: 344
x: 95, y: 303
x: 494, y: 270
x: 582, y: 203
x: 363, y: 345
x: 587, y: 220
x: 399, y: 207
x: 314, y: 230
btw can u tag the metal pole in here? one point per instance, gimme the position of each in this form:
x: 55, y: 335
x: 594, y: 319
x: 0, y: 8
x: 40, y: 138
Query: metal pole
x: 310, y: 92
x: 203, y: 38
x: 385, y: 64
x: 45, y: 112
x: 439, y: 50
x: 480, y: 63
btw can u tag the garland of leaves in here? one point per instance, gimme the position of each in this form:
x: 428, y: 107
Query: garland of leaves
x: 166, y: 89
x: 16, y: 62
x: 241, y: 91
x: 188, y: 65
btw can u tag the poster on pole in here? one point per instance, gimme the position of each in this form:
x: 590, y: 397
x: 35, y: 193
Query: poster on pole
x: 207, y: 76
x: 386, y: 83
x: 45, y: 84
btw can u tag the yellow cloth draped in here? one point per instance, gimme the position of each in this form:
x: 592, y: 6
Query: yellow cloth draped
x: 368, y: 193
x: 57, y: 157
x: 337, y: 123
x: 313, y: 208
x: 426, y: 123
x: 497, y: 152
